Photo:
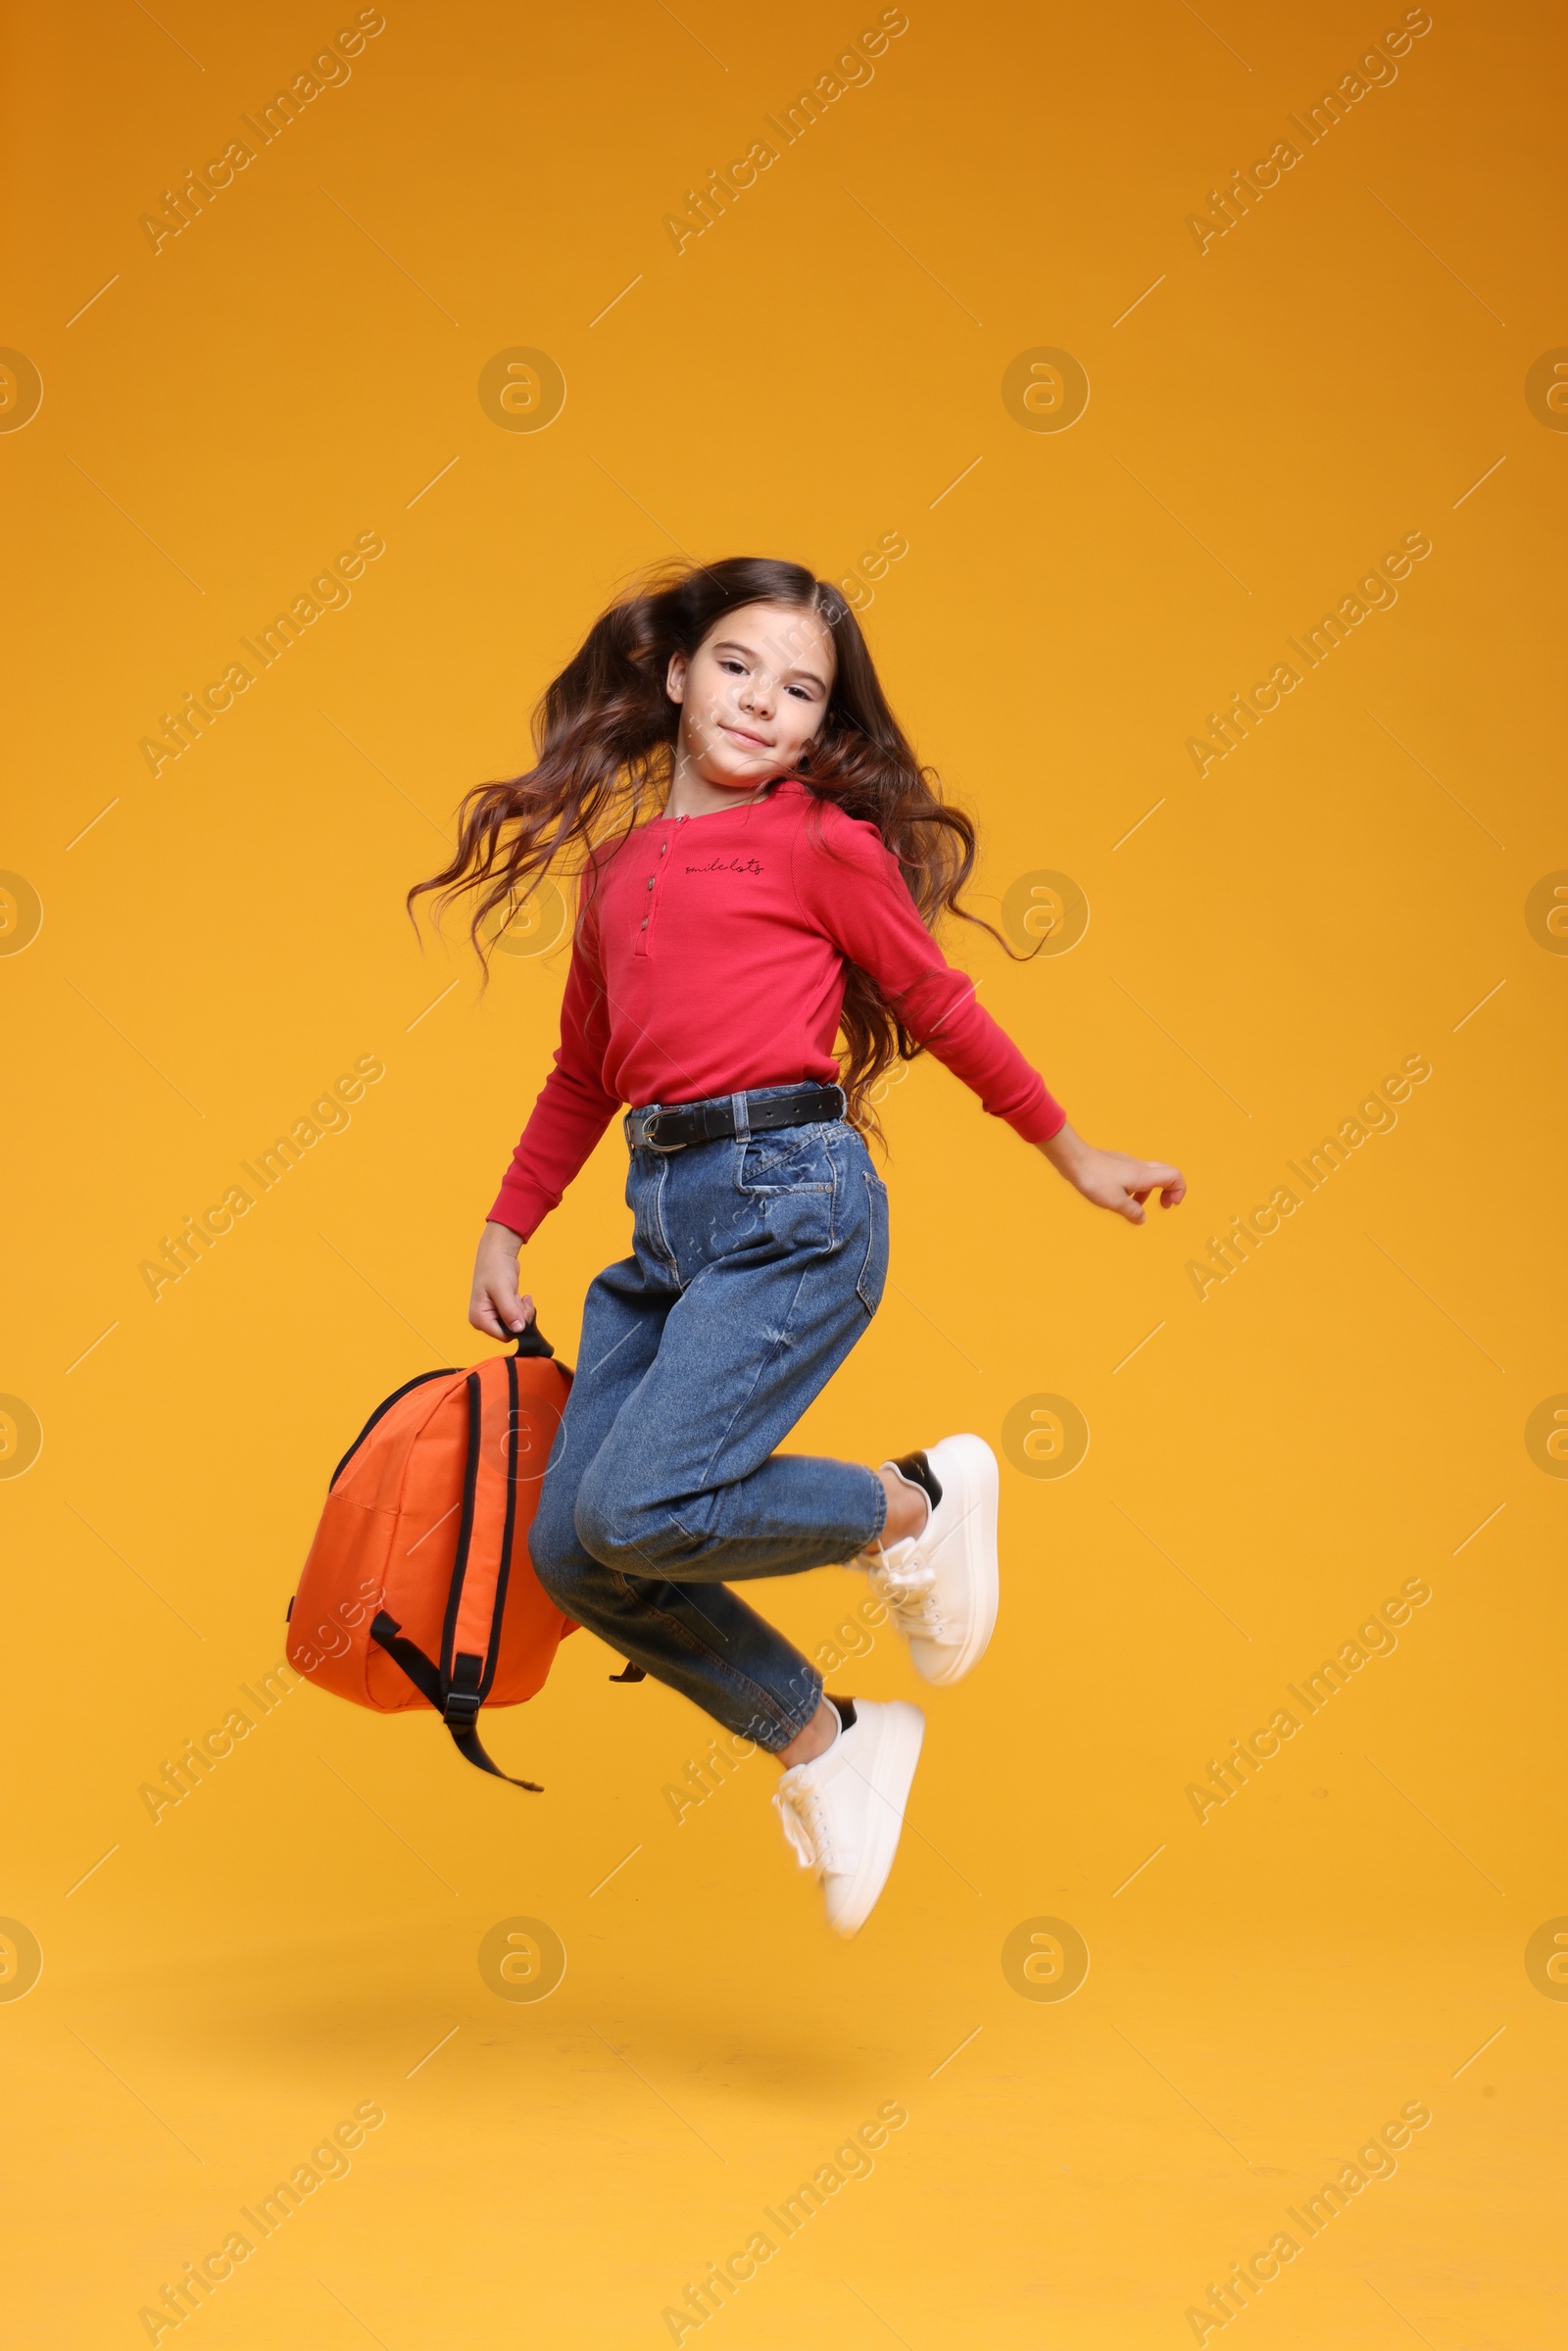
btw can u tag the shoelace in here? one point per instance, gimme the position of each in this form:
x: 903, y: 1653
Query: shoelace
x: 804, y: 1820
x: 909, y: 1592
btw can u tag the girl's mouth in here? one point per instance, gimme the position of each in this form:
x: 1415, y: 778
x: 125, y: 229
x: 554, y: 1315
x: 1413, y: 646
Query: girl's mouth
x: 741, y: 736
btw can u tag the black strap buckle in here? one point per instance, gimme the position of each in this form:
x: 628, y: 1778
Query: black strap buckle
x: 460, y: 1708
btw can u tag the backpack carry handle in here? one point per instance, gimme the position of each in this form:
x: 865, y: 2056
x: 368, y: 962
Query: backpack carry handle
x: 531, y: 1340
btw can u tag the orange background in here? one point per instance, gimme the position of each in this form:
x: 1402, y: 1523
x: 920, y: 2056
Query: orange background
x: 822, y: 368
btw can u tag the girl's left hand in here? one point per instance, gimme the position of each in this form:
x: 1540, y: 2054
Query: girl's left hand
x: 1114, y: 1180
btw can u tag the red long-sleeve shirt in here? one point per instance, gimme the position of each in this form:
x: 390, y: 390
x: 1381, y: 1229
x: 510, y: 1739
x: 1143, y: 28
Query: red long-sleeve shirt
x: 708, y: 959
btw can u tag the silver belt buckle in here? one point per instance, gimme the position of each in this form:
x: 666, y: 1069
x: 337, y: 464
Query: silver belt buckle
x: 644, y: 1127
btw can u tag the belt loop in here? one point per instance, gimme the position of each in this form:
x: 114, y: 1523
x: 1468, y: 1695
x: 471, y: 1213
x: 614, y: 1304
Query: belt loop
x: 741, y: 1112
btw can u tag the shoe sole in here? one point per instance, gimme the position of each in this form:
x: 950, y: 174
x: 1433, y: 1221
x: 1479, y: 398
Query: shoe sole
x: 976, y: 1531
x: 901, y: 1734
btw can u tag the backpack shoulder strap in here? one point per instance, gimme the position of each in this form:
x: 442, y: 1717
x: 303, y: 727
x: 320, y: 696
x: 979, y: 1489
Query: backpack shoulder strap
x: 426, y: 1678
x: 470, y: 1637
x: 457, y: 1684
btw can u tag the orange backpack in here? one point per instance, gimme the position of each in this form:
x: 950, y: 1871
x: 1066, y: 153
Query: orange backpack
x: 418, y: 1590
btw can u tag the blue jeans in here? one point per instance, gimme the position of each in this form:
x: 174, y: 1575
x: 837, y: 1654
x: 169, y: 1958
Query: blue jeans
x: 757, y: 1263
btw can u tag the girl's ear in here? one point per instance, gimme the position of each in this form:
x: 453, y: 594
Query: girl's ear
x: 675, y: 677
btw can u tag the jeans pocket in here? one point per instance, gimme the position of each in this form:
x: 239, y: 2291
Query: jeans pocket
x: 874, y: 1271
x: 794, y: 1160
x: 788, y: 1185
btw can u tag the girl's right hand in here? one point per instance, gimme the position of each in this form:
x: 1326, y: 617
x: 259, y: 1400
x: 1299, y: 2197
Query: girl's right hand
x: 495, y: 1307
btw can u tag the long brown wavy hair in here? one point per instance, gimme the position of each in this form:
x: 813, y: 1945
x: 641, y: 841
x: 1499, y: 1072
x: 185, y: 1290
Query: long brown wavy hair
x: 604, y: 752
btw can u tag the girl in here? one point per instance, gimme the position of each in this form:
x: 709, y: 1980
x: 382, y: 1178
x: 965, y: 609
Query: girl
x: 760, y: 860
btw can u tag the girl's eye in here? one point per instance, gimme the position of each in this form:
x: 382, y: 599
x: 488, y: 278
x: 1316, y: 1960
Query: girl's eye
x: 804, y: 692
x: 737, y: 666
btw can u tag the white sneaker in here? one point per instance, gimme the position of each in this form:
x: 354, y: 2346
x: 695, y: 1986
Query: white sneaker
x: 841, y: 1812
x: 941, y: 1586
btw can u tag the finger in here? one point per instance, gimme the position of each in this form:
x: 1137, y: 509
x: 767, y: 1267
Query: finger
x: 1173, y: 1194
x: 507, y: 1306
x: 1132, y: 1211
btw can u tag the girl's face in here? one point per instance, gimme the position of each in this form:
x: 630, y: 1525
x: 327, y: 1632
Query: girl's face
x: 754, y: 694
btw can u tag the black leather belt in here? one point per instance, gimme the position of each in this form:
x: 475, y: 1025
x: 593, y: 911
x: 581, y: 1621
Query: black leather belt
x: 672, y: 1129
